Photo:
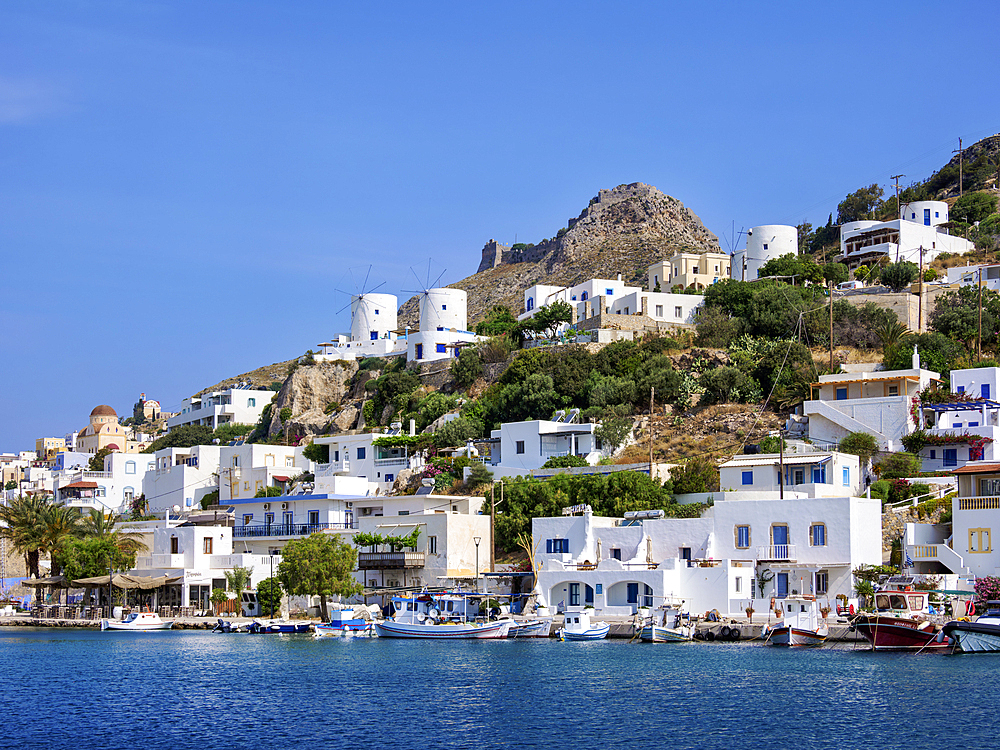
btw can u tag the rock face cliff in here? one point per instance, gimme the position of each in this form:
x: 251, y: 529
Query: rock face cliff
x: 308, y: 392
x: 624, y: 230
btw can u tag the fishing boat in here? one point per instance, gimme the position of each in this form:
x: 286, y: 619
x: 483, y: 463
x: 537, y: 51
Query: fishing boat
x: 902, y: 619
x: 577, y: 626
x: 980, y: 636
x: 540, y: 627
x: 346, y: 623
x: 667, y: 625
x: 801, y: 624
x: 440, y: 616
x: 138, y: 621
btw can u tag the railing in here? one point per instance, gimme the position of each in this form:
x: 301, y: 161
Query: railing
x: 390, y: 560
x: 288, y: 529
x: 979, y: 503
x: 403, y: 461
x: 160, y: 561
x: 243, y: 559
x: 776, y: 552
x: 333, y: 468
x: 925, y: 552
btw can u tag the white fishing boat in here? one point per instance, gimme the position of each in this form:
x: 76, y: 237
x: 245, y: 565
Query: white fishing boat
x: 980, y: 636
x: 537, y: 627
x: 801, y: 624
x: 351, y: 622
x: 577, y: 626
x: 667, y: 625
x: 138, y: 621
x: 440, y: 616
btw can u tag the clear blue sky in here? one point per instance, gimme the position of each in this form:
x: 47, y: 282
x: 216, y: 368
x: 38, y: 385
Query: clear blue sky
x: 184, y: 185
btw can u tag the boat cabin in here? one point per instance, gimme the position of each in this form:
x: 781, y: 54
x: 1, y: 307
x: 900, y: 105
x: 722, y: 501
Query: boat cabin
x: 419, y: 608
x: 899, y: 596
x: 802, y: 612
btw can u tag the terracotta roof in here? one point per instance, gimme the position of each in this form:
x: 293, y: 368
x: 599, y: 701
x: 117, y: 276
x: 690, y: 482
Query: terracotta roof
x: 281, y: 479
x: 976, y: 468
x: 103, y: 411
x: 113, y: 447
x: 81, y: 486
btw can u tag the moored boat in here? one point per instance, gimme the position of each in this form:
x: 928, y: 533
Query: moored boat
x: 980, y: 636
x: 902, y: 619
x: 139, y: 622
x: 531, y: 628
x: 802, y: 623
x: 277, y: 626
x: 577, y: 626
x: 346, y: 623
x: 667, y: 625
x: 441, y: 616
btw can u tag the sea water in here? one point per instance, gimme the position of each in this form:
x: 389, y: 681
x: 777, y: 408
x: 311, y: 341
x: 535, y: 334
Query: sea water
x: 175, y: 689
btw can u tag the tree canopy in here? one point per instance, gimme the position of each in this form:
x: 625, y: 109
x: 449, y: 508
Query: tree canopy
x: 863, y: 203
x: 319, y: 565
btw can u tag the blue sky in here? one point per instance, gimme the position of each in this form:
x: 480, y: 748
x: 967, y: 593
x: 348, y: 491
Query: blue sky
x: 184, y: 185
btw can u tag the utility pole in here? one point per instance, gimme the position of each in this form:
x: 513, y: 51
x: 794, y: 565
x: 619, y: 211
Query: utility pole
x: 781, y: 466
x: 650, y: 432
x: 959, y: 152
x: 493, y: 523
x: 979, y: 336
x: 920, y: 294
x: 831, y: 327
x: 899, y: 209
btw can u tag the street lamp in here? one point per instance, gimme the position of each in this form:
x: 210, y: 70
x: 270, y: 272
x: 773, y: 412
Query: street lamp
x: 477, y: 540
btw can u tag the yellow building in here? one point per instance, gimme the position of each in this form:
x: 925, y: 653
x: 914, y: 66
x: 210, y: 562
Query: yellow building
x: 47, y: 448
x: 103, y: 432
x: 689, y: 269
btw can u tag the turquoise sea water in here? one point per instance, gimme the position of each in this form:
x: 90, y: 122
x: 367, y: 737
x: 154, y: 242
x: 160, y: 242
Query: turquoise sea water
x: 86, y: 689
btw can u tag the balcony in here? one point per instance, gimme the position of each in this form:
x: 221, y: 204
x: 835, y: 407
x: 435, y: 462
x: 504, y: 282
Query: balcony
x: 288, y: 529
x: 400, y: 461
x: 776, y: 552
x: 160, y: 561
x: 979, y: 503
x: 333, y: 468
x: 390, y: 560
x: 924, y: 552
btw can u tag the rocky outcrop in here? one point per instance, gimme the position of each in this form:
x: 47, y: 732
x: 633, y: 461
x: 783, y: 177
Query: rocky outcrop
x: 622, y: 231
x: 307, y: 393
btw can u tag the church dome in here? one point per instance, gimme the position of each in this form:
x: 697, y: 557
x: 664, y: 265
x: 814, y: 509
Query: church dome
x: 103, y: 411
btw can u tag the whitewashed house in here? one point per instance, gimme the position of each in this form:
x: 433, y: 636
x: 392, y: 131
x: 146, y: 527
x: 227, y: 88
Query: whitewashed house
x: 517, y: 448
x: 111, y: 490
x: 918, y: 236
x: 806, y: 474
x: 182, y: 477
x: 355, y: 455
x: 713, y: 562
x: 878, y: 403
x: 966, y: 428
x: 970, y: 276
x: 233, y: 405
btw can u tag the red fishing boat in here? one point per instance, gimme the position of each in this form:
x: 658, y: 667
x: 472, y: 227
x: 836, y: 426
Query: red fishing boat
x: 903, y: 619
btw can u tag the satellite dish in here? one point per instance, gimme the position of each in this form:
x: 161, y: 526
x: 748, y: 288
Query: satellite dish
x: 176, y: 509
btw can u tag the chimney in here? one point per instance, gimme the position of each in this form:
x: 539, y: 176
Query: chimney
x: 619, y: 277
x: 413, y: 427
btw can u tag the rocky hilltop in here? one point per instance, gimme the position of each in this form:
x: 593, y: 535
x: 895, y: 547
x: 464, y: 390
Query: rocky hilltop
x: 624, y: 230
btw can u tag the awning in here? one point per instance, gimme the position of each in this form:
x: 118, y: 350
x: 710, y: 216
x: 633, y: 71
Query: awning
x: 58, y: 582
x: 130, y: 582
x: 976, y: 405
x: 862, y: 379
x: 280, y: 479
x: 80, y: 486
x: 971, y: 468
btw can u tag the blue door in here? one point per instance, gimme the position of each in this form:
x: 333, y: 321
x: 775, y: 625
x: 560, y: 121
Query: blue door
x: 927, y: 217
x: 780, y: 541
x: 951, y: 457
x: 419, y: 353
x: 781, y: 585
x: 986, y: 390
x: 632, y: 593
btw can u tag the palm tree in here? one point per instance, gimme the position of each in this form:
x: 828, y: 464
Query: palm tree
x: 104, y: 525
x: 891, y: 333
x: 23, y: 526
x: 61, y: 525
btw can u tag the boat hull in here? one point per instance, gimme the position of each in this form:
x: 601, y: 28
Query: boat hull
x: 360, y: 629
x: 659, y: 634
x: 596, y: 633
x: 262, y: 628
x: 130, y: 628
x: 446, y: 631
x: 974, y: 638
x: 788, y: 636
x: 531, y: 629
x: 899, y: 634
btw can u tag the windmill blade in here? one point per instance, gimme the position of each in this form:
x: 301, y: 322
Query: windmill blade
x: 423, y: 288
x: 365, y: 284
x: 345, y: 307
x: 349, y: 294
x: 438, y: 279
x: 414, y: 291
x: 428, y: 274
x: 370, y: 291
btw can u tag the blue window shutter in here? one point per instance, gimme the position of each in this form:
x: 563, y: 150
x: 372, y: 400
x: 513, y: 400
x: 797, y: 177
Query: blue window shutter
x: 841, y: 394
x: 986, y: 390
x: 748, y: 477
x: 961, y: 389
x: 548, y: 546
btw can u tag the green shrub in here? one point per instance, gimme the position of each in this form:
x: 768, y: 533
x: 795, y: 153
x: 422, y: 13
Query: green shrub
x: 564, y: 462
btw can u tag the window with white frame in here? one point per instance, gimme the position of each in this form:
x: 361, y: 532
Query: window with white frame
x: 747, y: 477
x: 659, y: 311
x: 557, y: 546
x: 432, y: 545
x: 130, y: 467
x: 519, y: 446
x: 678, y: 312
x: 742, y: 537
x: 822, y: 582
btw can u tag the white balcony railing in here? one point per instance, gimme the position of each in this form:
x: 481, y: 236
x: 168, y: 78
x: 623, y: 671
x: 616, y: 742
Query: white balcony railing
x: 333, y: 468
x: 160, y: 561
x: 776, y: 552
x: 392, y: 461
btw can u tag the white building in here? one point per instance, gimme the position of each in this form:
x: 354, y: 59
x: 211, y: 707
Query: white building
x: 246, y: 469
x: 519, y: 447
x: 355, y: 455
x: 598, y: 297
x: 235, y: 405
x: 443, y: 324
x: 619, y: 565
x: 975, y: 512
x: 111, y: 490
x: 806, y: 474
x: 373, y: 330
x: 764, y: 243
x: 878, y: 403
x: 970, y: 276
x: 917, y: 236
x: 975, y: 416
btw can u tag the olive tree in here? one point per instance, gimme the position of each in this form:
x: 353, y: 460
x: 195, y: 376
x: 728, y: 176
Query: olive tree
x: 319, y: 565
